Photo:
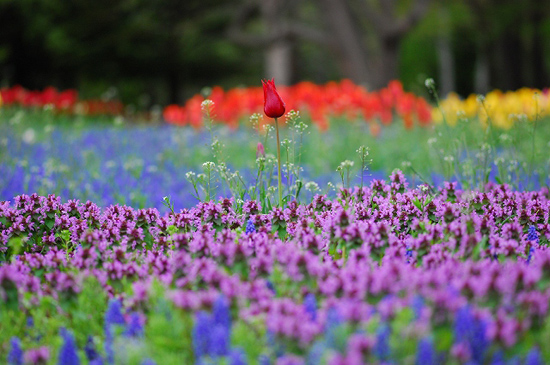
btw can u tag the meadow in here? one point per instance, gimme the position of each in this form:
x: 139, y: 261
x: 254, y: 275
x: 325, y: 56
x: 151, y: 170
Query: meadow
x: 412, y: 231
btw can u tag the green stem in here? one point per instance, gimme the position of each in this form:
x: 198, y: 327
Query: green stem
x: 279, y: 165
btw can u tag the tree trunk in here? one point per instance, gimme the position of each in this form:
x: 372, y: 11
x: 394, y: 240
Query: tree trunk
x: 540, y: 76
x: 445, y: 54
x: 446, y: 65
x: 389, y: 60
x: 278, y: 57
x: 278, y: 53
x: 350, y: 50
x: 482, y: 71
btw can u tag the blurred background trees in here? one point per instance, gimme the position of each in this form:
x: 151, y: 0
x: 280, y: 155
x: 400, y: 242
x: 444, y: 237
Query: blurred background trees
x: 148, y: 52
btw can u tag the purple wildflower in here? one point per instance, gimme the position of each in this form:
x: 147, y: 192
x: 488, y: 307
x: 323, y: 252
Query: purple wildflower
x: 37, y: 356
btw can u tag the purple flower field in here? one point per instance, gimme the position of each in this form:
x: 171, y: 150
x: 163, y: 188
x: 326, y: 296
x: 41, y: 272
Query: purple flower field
x: 386, y: 274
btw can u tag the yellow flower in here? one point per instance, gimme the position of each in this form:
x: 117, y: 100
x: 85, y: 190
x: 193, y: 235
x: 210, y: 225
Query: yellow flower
x: 503, y: 109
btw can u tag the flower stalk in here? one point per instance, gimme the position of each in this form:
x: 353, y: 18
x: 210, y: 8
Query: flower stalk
x: 280, y: 187
x: 274, y: 107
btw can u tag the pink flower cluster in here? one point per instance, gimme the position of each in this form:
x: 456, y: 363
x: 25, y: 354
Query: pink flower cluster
x: 369, y: 254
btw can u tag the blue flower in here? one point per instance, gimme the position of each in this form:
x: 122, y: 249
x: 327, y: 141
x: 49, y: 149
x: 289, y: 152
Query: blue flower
x: 271, y: 287
x: 277, y: 346
x: 498, y: 358
x: 382, y: 347
x: 534, y: 357
x: 219, y: 341
x: 113, y: 315
x: 68, y: 355
x: 310, y: 305
x: 333, y: 321
x: 263, y: 359
x: 417, y: 306
x: 221, y: 313
x: 315, y: 354
x: 90, y: 350
x: 530, y: 255
x: 409, y: 254
x: 532, y: 234
x: 237, y: 357
x: 425, y: 354
x: 134, y: 328
x: 470, y: 330
x: 250, y: 227
x: 201, y: 334
x: 15, y: 356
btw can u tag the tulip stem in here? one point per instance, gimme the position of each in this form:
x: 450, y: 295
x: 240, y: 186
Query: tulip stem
x: 279, y: 165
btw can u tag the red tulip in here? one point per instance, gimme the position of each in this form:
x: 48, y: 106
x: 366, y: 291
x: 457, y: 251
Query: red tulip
x: 274, y: 106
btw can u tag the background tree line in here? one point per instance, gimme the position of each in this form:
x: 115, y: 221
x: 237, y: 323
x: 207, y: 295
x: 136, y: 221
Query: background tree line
x: 165, y: 50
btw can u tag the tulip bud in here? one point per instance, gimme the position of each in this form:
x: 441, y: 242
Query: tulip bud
x: 274, y: 106
x: 260, y: 150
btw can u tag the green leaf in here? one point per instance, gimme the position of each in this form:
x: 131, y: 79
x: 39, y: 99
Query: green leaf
x: 49, y: 222
x: 443, y: 338
x: 282, y: 232
x: 16, y: 246
x: 479, y: 247
x: 5, y: 222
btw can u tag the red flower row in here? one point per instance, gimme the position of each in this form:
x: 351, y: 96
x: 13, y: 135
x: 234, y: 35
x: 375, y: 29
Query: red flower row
x: 18, y: 95
x: 320, y: 102
x: 60, y: 101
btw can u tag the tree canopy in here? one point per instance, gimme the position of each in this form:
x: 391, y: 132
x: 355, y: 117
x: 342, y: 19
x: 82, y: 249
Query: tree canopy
x: 167, y: 50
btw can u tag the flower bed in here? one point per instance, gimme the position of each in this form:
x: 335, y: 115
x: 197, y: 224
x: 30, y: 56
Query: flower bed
x: 387, y: 273
x: 320, y: 102
x: 61, y: 102
x: 502, y: 108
